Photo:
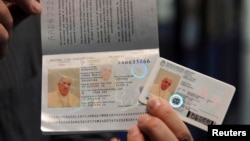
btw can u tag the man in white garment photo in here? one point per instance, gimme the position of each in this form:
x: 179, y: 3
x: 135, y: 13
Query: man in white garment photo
x: 63, y: 97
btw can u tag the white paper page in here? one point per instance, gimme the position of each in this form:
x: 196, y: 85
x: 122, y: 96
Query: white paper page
x: 72, y: 26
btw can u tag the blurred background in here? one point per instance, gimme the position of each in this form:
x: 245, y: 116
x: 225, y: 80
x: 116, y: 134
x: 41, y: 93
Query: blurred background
x: 209, y: 36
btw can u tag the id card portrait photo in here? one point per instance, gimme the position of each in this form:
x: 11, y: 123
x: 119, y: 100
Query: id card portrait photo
x: 164, y: 84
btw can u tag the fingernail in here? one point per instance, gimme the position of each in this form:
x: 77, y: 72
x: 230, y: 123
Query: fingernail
x: 133, y: 131
x: 143, y: 119
x: 114, y: 139
x: 36, y: 6
x: 153, y: 103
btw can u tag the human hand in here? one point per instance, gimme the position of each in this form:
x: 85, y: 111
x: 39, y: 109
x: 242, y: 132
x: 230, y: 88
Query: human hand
x: 161, y: 124
x: 11, y: 13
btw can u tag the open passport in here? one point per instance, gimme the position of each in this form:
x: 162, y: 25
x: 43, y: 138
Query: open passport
x: 96, y: 56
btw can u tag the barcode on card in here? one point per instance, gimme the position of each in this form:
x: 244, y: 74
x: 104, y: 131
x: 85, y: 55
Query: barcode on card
x: 200, y: 118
